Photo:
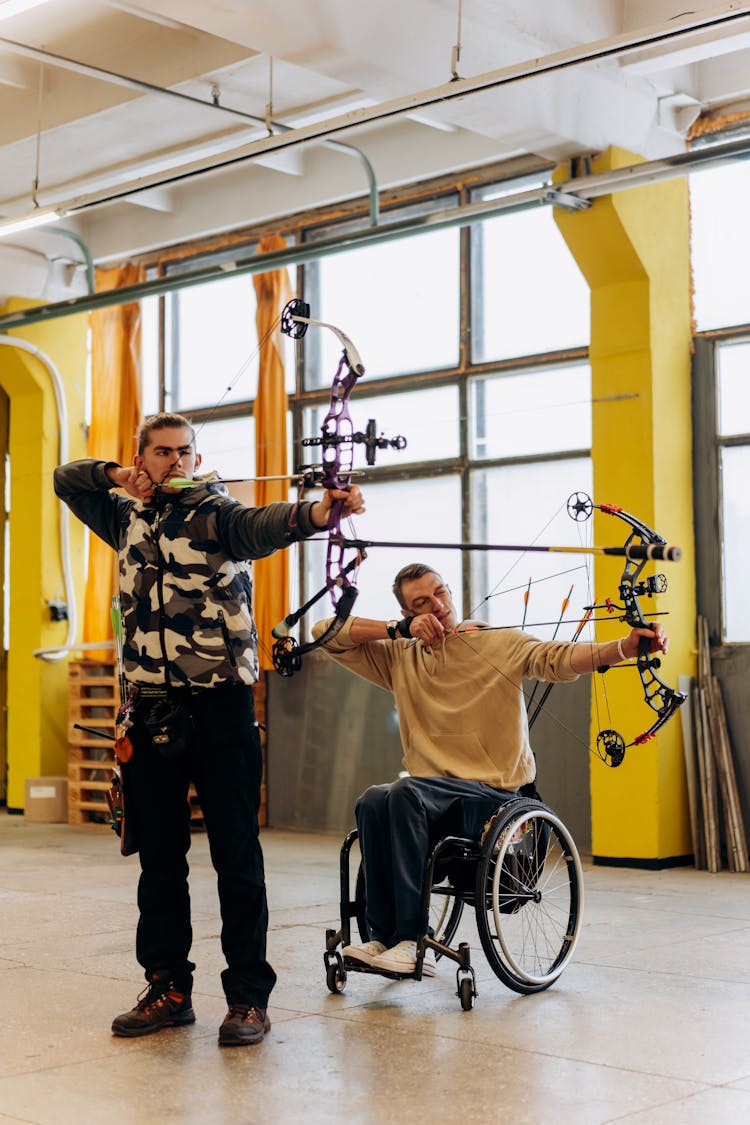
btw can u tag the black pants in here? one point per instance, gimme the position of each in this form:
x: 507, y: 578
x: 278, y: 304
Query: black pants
x: 224, y: 761
x: 398, y: 823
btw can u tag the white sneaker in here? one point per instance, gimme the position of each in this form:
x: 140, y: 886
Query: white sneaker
x: 402, y: 958
x: 365, y: 953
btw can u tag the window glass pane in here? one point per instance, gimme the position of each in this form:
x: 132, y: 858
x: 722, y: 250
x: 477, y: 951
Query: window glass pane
x: 527, y: 504
x: 544, y: 410
x: 428, y: 420
x: 734, y: 387
x: 211, y: 344
x: 426, y: 511
x: 227, y: 446
x: 720, y: 243
x: 397, y: 301
x: 735, y: 473
x: 528, y: 294
x: 150, y: 355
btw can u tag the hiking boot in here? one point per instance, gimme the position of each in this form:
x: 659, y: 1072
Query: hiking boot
x: 243, y: 1025
x: 159, y: 1005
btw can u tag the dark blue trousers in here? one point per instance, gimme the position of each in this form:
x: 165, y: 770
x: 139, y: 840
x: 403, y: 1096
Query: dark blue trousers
x: 224, y: 761
x: 398, y: 823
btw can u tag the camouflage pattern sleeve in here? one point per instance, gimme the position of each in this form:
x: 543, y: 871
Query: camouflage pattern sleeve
x: 85, y: 488
x: 253, y: 533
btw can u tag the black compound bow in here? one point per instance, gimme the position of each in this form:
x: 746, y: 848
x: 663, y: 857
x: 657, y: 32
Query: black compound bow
x: 658, y: 695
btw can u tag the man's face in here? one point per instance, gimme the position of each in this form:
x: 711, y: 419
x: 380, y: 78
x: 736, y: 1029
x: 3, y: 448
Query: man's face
x: 169, y: 453
x: 430, y: 594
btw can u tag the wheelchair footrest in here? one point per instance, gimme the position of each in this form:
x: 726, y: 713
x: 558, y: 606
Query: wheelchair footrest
x: 353, y: 966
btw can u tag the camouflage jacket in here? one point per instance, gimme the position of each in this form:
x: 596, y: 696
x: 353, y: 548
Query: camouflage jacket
x: 185, y: 579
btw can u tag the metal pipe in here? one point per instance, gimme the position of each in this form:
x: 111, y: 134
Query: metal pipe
x: 575, y: 192
x: 88, y: 259
x: 64, y: 63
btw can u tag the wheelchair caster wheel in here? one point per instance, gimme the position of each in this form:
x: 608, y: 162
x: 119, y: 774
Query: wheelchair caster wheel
x: 466, y: 991
x: 335, y: 973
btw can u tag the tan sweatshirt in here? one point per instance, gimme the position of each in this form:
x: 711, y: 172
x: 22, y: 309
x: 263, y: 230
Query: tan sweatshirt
x: 460, y: 705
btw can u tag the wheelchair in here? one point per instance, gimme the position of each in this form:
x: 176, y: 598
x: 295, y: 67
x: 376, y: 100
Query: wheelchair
x: 524, y: 879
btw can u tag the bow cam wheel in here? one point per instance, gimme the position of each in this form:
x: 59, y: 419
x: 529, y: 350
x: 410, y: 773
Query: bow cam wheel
x: 290, y: 326
x: 580, y: 506
x: 610, y: 746
x: 286, y: 660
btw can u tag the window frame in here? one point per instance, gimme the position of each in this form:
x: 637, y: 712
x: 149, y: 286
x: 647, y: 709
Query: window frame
x: 708, y: 445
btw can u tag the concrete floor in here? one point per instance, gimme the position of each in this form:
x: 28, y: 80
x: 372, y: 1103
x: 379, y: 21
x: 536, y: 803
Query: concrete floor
x: 649, y: 1024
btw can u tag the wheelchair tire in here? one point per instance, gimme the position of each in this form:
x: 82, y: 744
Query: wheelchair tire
x: 528, y: 896
x: 336, y: 976
x: 445, y: 913
x: 466, y: 993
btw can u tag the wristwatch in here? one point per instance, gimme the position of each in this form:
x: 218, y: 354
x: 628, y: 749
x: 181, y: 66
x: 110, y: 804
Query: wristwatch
x: 399, y: 627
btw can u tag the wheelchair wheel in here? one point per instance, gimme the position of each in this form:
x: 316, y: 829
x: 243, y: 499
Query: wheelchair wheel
x: 528, y: 896
x: 335, y: 975
x: 445, y: 911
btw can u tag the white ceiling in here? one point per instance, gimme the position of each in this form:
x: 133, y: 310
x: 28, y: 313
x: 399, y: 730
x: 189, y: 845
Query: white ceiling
x: 90, y: 141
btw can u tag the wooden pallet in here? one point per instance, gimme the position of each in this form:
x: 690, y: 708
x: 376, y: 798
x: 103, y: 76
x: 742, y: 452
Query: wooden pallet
x: 93, y: 699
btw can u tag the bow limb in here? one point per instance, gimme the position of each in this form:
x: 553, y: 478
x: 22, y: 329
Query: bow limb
x: 287, y: 653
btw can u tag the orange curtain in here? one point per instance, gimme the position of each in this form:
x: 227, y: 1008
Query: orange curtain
x: 115, y: 415
x: 271, y: 575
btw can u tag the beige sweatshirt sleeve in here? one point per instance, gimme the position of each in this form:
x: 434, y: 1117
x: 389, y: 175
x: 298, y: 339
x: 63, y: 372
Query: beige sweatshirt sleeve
x: 372, y: 661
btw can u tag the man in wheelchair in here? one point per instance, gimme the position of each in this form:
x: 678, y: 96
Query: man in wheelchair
x: 462, y: 718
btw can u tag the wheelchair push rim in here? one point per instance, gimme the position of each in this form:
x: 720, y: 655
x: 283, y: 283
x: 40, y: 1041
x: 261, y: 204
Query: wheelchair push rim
x: 529, y: 896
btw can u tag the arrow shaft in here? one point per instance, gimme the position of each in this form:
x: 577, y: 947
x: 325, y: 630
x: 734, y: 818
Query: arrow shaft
x: 658, y: 551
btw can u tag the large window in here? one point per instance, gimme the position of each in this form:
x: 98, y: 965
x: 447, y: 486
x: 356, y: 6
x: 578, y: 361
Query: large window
x: 733, y: 418
x: 398, y: 300
x: 529, y: 295
x: 474, y: 349
x: 519, y: 420
x: 720, y: 248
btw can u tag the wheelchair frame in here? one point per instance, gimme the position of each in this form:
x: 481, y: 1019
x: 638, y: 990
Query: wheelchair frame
x: 525, y: 882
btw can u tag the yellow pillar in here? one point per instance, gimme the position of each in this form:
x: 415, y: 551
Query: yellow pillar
x: 37, y: 718
x: 633, y: 249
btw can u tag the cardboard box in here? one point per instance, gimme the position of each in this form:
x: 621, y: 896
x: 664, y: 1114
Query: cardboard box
x: 46, y: 800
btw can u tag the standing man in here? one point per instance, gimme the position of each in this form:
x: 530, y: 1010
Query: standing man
x: 190, y: 659
x: 464, y: 731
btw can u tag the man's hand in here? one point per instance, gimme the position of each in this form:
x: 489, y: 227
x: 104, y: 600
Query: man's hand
x: 427, y: 628
x: 659, y: 641
x: 135, y: 482
x: 353, y: 504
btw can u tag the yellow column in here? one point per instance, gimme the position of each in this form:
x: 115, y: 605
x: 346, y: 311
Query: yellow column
x: 633, y: 249
x: 37, y: 692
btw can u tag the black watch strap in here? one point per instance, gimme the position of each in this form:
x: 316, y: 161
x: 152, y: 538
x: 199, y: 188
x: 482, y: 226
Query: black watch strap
x: 404, y: 626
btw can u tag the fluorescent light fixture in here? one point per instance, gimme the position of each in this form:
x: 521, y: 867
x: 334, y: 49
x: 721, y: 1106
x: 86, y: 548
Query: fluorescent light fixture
x: 10, y: 8
x: 37, y: 218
